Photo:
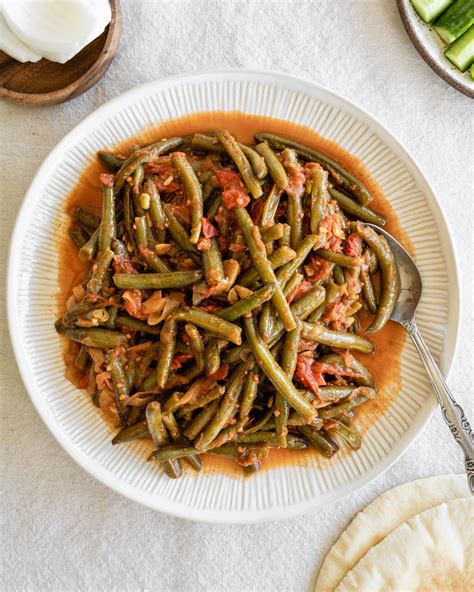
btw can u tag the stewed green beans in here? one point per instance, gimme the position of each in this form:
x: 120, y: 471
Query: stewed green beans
x: 226, y: 287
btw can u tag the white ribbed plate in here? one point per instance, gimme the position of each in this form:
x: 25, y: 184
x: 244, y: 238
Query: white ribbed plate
x: 32, y: 279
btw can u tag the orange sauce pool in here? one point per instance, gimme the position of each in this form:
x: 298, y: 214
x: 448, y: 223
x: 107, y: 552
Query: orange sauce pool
x: 384, y: 363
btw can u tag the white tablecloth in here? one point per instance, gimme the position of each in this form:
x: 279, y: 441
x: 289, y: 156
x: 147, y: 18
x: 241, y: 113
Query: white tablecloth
x: 64, y: 531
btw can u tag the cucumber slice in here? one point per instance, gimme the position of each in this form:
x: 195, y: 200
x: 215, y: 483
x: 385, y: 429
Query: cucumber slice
x: 461, y: 51
x: 430, y: 9
x: 457, y: 19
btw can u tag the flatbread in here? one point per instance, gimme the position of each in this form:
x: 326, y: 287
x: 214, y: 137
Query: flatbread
x: 433, y: 551
x: 381, y: 517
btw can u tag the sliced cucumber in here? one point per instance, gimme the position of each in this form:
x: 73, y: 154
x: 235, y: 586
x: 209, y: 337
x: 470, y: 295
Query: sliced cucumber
x: 457, y: 19
x: 430, y: 9
x: 461, y: 51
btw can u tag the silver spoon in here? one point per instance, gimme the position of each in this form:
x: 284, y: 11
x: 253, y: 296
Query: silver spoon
x: 404, y: 314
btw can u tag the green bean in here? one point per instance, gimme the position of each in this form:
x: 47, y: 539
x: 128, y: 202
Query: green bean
x: 292, y: 284
x: 288, y: 365
x: 339, y: 258
x: 166, y: 351
x: 213, y: 207
x: 119, y: 380
x: 202, y: 401
x: 350, y: 435
x: 193, y: 192
x: 295, y: 215
x: 173, y: 468
x: 373, y: 262
x: 211, y: 323
x: 320, y: 440
x: 338, y: 275
x: 227, y: 407
x: 98, y: 316
x: 338, y: 172
x: 257, y: 163
x: 331, y: 394
x: 155, y: 424
x: 88, y: 251
x: 178, y: 232
x: 156, y: 281
x: 97, y: 337
x: 271, y: 205
x: 212, y: 358
x: 320, y: 334
x: 286, y: 238
x: 107, y: 228
x: 368, y: 290
x: 128, y: 215
x: 150, y: 257
x: 249, y: 394
x: 157, y: 213
x: 274, y: 372
x: 193, y: 459
x: 355, y: 209
x: 276, y: 259
x: 273, y: 232
x: 270, y: 439
x: 96, y: 281
x: 265, y: 321
x: 342, y: 408
x: 82, y: 359
x: 126, y: 322
x: 389, y: 274
x: 197, y: 348
x: 143, y: 156
x: 263, y: 266
x: 307, y: 244
x: 246, y: 305
x: 173, y: 452
x: 356, y: 366
x: 202, y: 419
x: 109, y: 160
x: 319, y: 198
x: 78, y: 236
x: 131, y: 372
x: 235, y: 152
x: 138, y: 178
x: 275, y: 168
x: 261, y: 424
x: 212, y: 264
x: 130, y: 433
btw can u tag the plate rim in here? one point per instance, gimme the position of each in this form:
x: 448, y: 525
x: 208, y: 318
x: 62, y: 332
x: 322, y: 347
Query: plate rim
x: 404, y: 6
x: 177, y: 509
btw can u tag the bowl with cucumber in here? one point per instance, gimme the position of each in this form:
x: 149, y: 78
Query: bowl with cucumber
x: 443, y: 33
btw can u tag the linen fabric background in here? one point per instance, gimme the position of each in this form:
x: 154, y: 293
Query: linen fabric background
x: 64, y: 531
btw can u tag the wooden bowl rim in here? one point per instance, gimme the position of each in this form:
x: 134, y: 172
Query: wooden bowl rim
x: 446, y: 76
x: 60, y: 95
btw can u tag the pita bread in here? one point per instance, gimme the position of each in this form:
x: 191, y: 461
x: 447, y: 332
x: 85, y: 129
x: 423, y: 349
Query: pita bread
x: 381, y: 517
x: 433, y: 551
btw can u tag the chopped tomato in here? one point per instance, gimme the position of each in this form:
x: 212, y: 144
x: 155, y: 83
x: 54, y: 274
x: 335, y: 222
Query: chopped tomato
x: 122, y: 265
x: 318, y: 268
x: 334, y: 312
x: 353, y: 245
x: 106, y: 179
x: 233, y: 192
x: 221, y: 373
x: 210, y: 307
x: 171, y: 187
x: 180, y: 359
x: 304, y: 374
x: 181, y: 211
x: 257, y: 210
x: 296, y: 180
x: 323, y: 368
x: 208, y: 229
x: 298, y: 291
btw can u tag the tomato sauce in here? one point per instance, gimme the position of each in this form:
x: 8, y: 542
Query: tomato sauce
x: 384, y: 363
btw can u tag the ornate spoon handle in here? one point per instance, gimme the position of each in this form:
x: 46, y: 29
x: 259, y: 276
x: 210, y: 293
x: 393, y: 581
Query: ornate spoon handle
x: 453, y: 413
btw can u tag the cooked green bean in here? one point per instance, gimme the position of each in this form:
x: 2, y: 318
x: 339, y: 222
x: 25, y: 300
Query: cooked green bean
x: 178, y: 232
x: 246, y: 305
x: 149, y: 256
x: 320, y: 334
x: 338, y: 258
x: 288, y: 365
x: 97, y: 337
x: 157, y: 213
x: 166, y: 352
x: 275, y: 168
x: 235, y: 152
x: 271, y: 233
x: 276, y: 259
x: 202, y: 419
x: 368, y: 291
x: 88, y: 251
x: 263, y: 266
x: 271, y: 205
x: 107, y: 228
x: 320, y: 440
x: 307, y: 244
x: 94, y: 285
x: 109, y: 160
x: 355, y: 209
x: 193, y: 192
x: 82, y: 359
x: 274, y: 372
x: 212, y: 264
x: 388, y: 270
x: 210, y: 322
x: 78, y: 235
x: 156, y: 281
x: 130, y: 433
x: 127, y: 322
x: 319, y: 198
x: 355, y: 365
x: 120, y: 383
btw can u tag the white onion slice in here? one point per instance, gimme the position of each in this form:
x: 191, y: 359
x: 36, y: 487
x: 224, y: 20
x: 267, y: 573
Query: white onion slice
x: 14, y: 47
x: 57, y: 29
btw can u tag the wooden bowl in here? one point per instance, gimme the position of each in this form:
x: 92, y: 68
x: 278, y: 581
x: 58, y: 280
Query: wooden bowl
x: 48, y: 83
